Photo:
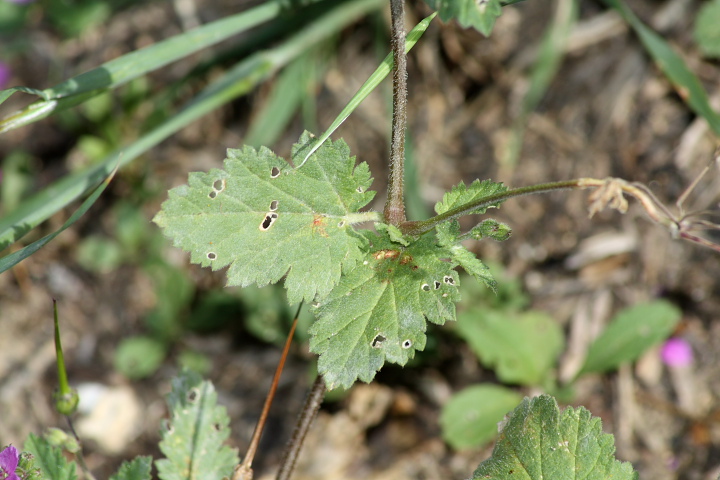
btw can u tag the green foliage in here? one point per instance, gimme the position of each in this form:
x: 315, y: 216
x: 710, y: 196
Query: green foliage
x: 136, y: 469
x: 479, y: 14
x: 193, y: 437
x: 538, y: 441
x: 630, y: 333
x: 139, y: 357
x: 266, y: 219
x: 706, y: 31
x: 378, y: 310
x: 49, y: 459
x: 522, y: 347
x: 470, y: 418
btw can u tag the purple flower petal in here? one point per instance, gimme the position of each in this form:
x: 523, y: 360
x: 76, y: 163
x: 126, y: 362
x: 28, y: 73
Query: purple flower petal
x: 677, y: 352
x: 5, y: 73
x: 20, y: 1
x: 8, y: 463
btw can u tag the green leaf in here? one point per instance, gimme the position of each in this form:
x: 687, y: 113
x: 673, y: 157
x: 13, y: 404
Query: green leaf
x: 462, y: 194
x: 136, y: 469
x: 630, y: 334
x: 706, y: 31
x: 49, y: 459
x: 473, y: 266
x: 479, y: 14
x: 266, y: 219
x: 139, y: 357
x: 538, y: 441
x: 470, y: 418
x: 378, y: 310
x: 521, y: 347
x: 192, y: 440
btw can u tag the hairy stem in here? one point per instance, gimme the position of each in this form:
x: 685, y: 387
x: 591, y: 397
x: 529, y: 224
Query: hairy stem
x: 305, y: 419
x: 418, y: 228
x: 395, y: 206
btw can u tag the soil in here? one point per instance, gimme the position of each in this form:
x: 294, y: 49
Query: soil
x: 609, y: 111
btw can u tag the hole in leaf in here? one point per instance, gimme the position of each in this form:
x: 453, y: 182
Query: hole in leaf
x: 217, y: 427
x: 268, y: 221
x: 211, y: 255
x: 219, y: 185
x: 274, y: 172
x: 407, y: 343
x: 425, y: 287
x: 449, y: 280
x: 192, y: 395
x: 212, y: 194
x: 378, y: 341
x: 273, y: 205
x: 168, y: 426
x: 341, y: 224
x: 437, y: 284
x: 360, y: 189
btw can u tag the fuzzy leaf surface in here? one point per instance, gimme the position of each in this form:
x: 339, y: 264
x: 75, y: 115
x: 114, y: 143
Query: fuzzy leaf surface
x: 49, y: 459
x: 139, y: 468
x: 192, y: 440
x: 480, y: 15
x: 537, y: 441
x: 265, y: 219
x: 377, y: 312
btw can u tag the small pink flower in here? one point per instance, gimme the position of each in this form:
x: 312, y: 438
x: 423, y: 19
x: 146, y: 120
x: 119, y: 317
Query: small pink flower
x: 5, y: 73
x: 20, y: 1
x: 8, y: 463
x: 677, y: 352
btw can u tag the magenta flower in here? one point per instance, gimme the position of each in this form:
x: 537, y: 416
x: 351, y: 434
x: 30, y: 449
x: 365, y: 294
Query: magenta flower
x: 677, y: 352
x: 8, y: 463
x: 5, y: 73
x: 20, y: 1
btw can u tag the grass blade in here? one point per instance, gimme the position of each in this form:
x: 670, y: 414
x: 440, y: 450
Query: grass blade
x: 378, y: 76
x: 236, y: 82
x: 672, y: 65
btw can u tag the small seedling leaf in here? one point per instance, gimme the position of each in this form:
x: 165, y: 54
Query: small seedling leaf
x: 538, y: 441
x: 378, y: 310
x: 470, y: 418
x: 192, y: 439
x: 307, y: 236
x: 630, y: 334
x: 49, y: 459
x: 479, y: 14
x: 521, y: 347
x: 462, y: 194
x: 136, y: 469
x: 706, y: 31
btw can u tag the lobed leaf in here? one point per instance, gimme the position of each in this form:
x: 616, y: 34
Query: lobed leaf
x: 462, y: 194
x: 538, y: 441
x: 378, y: 310
x: 479, y: 14
x: 192, y: 440
x: 266, y: 219
x: 136, y: 469
x: 49, y: 459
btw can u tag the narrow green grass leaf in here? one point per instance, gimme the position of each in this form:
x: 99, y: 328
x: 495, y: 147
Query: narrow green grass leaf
x: 193, y: 438
x: 266, y: 219
x: 672, y: 65
x: 471, y: 416
x: 630, y: 334
x: 121, y: 70
x: 373, y: 81
x: 237, y: 82
x: 49, y: 459
x: 538, y: 441
x: 14, y: 258
x: 377, y: 312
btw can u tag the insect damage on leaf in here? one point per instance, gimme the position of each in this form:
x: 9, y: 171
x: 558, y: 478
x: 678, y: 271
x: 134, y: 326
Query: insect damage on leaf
x: 267, y: 220
x: 378, y: 310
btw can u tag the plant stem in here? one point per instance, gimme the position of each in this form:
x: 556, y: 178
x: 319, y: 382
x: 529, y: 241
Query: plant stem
x: 244, y: 470
x: 305, y: 419
x: 395, y: 205
x: 418, y: 228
